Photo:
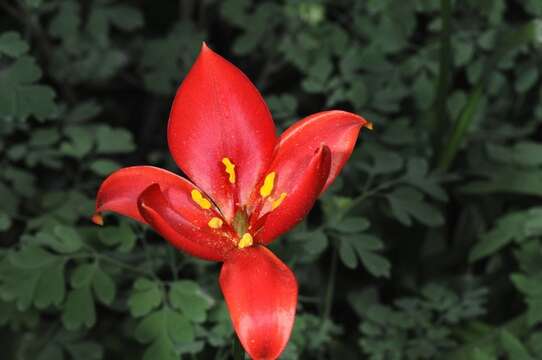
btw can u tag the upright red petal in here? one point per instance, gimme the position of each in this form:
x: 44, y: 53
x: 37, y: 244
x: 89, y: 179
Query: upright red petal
x: 218, y: 114
x: 193, y: 236
x: 261, y: 294
x: 120, y: 190
x: 338, y: 130
x: 301, y: 185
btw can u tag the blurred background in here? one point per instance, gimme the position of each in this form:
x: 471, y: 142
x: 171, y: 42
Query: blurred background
x: 429, y: 245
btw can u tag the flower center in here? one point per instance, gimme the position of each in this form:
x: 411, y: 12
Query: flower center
x: 240, y: 222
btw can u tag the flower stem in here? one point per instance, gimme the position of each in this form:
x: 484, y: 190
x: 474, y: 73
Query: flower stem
x: 237, y: 349
x: 328, y: 304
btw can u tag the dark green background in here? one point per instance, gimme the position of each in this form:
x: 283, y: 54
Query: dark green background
x: 427, y: 246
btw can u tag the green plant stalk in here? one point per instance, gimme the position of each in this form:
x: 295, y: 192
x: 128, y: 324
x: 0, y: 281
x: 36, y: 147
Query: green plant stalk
x: 527, y: 34
x: 461, y: 126
x: 440, y: 115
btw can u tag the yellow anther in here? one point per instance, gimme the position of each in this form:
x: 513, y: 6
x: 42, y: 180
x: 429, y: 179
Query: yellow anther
x: 200, y: 200
x: 268, y: 183
x: 278, y: 201
x: 246, y: 241
x: 230, y: 169
x: 369, y: 125
x: 215, y: 223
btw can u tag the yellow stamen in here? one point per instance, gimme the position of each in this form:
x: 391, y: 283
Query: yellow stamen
x: 200, y: 200
x: 278, y: 201
x: 215, y: 223
x: 268, y: 183
x: 369, y: 125
x: 230, y: 169
x: 246, y: 240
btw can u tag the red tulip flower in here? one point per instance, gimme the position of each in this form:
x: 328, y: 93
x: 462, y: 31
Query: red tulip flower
x: 247, y: 186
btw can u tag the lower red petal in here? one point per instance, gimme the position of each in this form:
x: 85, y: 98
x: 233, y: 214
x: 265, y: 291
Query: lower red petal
x: 190, y: 235
x: 261, y: 294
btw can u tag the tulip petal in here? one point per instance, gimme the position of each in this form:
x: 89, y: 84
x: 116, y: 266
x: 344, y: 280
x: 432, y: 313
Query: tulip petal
x: 261, y: 294
x: 336, y: 129
x: 301, y: 189
x: 120, y: 190
x: 220, y: 131
x: 194, y: 237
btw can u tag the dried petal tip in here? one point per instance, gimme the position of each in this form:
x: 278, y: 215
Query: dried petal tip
x: 369, y: 125
x: 98, y: 219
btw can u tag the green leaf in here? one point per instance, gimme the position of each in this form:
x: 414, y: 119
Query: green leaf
x: 282, y: 106
x: 109, y: 140
x: 83, y: 275
x: 384, y: 162
x: 352, y: 225
x: 79, y: 309
x: 104, y: 166
x: 418, y: 175
x: 79, y: 143
x: 12, y: 44
x: 125, y: 17
x: 5, y: 221
x: 31, y: 257
x: 513, y: 347
x: 186, y: 296
x: 65, y: 24
x: 104, y: 287
x: 164, y: 58
x: 164, y: 329
x: 146, y: 295
x: 347, y: 254
x: 407, y: 203
x: 20, y: 97
x: 51, y: 289
x: 527, y: 79
x: 531, y: 287
x: 507, y: 229
x: 121, y: 236
x: 524, y: 153
x: 364, y: 247
x: 516, y: 226
x: 67, y: 239
x: 83, y: 111
x: 376, y: 264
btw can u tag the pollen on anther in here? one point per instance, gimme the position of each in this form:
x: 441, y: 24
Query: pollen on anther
x: 230, y: 169
x: 275, y: 204
x: 246, y: 241
x: 268, y: 183
x: 200, y: 200
x: 215, y: 223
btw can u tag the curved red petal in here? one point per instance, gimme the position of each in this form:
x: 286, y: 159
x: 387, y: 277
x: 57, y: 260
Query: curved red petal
x: 193, y: 236
x: 218, y: 113
x: 120, y: 190
x: 261, y: 294
x: 336, y: 129
x: 301, y: 191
